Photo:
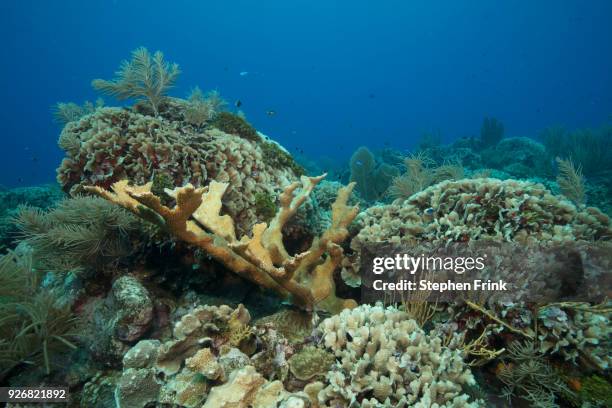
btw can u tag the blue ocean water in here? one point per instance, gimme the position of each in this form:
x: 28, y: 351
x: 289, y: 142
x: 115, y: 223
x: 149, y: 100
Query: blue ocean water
x: 338, y: 74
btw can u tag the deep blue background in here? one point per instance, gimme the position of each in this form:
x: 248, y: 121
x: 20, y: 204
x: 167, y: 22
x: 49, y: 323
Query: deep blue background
x: 338, y: 73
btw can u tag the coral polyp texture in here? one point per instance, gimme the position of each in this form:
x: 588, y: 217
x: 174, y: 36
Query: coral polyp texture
x: 307, y: 278
x: 464, y: 210
x: 114, y: 144
x: 384, y: 359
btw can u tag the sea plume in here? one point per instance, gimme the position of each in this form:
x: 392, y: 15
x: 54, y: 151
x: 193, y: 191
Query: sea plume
x: 146, y: 76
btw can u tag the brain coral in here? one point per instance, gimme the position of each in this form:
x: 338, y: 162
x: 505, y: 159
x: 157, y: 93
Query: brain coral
x: 116, y: 143
x: 384, y: 359
x: 463, y: 210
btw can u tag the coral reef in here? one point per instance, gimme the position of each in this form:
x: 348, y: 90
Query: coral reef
x: 306, y: 278
x: 386, y: 360
x: 520, y: 157
x: 310, y: 362
x: 113, y: 144
x: 199, y: 364
x: 276, y: 156
x: 463, y: 210
x: 577, y: 332
x: 235, y: 125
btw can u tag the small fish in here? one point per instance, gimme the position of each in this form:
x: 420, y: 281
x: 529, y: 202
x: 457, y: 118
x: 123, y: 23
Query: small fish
x: 359, y: 163
x: 270, y: 112
x: 244, y: 73
x: 238, y: 103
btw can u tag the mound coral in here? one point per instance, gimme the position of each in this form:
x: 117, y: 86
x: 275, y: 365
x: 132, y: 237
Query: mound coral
x: 521, y: 157
x: 306, y: 278
x: 464, y: 210
x: 385, y: 360
x: 113, y: 144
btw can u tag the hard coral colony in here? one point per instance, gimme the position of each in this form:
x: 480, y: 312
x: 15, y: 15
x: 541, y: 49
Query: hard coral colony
x: 195, y: 264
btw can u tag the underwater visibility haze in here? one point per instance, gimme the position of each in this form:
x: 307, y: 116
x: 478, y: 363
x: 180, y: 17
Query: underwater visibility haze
x: 215, y: 204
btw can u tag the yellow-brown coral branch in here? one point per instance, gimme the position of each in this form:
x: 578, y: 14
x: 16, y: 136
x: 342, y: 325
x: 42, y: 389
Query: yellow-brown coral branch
x: 306, y: 278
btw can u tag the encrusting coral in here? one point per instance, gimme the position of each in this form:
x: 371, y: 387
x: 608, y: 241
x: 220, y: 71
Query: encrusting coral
x: 306, y: 278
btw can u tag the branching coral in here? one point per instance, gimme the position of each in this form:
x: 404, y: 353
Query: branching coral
x: 385, y: 360
x: 306, y: 278
x: 145, y: 76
